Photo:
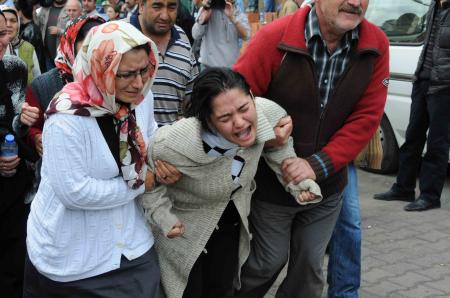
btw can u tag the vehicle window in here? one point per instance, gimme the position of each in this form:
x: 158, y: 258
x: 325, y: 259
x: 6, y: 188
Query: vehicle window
x: 403, y: 21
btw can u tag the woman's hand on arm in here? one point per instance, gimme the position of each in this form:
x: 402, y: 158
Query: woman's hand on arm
x: 282, y: 131
x: 167, y: 173
x: 177, y: 230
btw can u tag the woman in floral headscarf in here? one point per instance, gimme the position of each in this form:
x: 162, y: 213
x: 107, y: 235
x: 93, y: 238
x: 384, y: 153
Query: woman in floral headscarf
x: 45, y: 86
x: 87, y: 235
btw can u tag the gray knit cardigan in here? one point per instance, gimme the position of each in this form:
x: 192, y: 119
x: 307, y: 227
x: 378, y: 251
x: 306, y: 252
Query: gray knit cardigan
x: 199, y: 198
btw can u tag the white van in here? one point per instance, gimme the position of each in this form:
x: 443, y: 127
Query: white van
x: 404, y: 22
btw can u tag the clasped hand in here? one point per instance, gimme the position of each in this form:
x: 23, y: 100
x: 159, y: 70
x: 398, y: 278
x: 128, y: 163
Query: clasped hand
x: 29, y: 114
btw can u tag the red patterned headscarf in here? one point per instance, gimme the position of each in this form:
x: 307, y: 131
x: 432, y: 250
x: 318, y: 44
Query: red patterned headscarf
x: 65, y: 54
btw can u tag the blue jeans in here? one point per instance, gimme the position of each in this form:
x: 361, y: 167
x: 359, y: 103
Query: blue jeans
x: 344, y: 265
x: 269, y: 5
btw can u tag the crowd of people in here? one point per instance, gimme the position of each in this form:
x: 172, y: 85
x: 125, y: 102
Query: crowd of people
x: 154, y: 159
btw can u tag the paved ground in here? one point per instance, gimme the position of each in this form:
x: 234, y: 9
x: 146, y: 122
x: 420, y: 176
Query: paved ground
x: 404, y: 254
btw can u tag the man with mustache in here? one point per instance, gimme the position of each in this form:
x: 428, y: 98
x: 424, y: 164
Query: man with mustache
x: 177, y: 65
x: 329, y: 68
x: 430, y: 111
x: 52, y: 22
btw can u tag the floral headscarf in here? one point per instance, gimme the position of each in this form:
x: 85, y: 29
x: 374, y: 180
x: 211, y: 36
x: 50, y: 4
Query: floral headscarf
x: 92, y: 93
x: 65, y: 54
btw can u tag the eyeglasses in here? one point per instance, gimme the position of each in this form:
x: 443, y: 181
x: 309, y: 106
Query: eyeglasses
x: 131, y: 75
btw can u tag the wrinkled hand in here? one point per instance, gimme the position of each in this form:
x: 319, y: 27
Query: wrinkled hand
x: 166, y: 173
x: 149, y: 181
x: 8, y: 163
x: 282, y: 132
x: 229, y: 10
x: 177, y: 230
x: 204, y: 16
x: 306, y: 196
x: 38, y: 144
x: 53, y: 30
x: 29, y: 114
x: 296, y: 170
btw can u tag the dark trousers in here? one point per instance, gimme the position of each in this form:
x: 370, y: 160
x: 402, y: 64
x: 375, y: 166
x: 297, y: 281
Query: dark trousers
x: 138, y: 278
x: 302, y: 233
x: 428, y: 112
x: 12, y: 248
x: 214, y: 271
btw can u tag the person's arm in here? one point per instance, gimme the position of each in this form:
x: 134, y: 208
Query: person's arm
x: 34, y: 135
x: 274, y: 156
x: 239, y: 20
x: 157, y: 209
x: 201, y: 23
x: 65, y: 152
x: 157, y: 205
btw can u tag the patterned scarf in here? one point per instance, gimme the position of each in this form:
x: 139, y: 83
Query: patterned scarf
x: 65, y: 54
x: 92, y: 94
x: 216, y: 145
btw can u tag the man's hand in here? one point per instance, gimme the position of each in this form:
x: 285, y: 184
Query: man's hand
x: 229, y: 10
x: 166, y: 173
x: 53, y: 30
x: 177, y: 230
x: 8, y: 164
x: 204, y: 15
x: 282, y: 132
x: 149, y: 181
x: 296, y: 170
x: 29, y: 114
x: 306, y: 196
x: 38, y: 144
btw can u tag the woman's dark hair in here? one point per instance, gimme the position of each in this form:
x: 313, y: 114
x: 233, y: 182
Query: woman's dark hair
x: 85, y: 29
x: 209, y: 84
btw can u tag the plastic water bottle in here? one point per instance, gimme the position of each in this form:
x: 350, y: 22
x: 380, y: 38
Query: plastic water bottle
x: 9, y: 148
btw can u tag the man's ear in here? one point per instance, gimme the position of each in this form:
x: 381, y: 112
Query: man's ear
x: 141, y: 4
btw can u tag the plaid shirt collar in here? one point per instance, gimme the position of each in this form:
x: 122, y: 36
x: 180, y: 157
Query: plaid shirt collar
x: 312, y: 30
x: 329, y: 66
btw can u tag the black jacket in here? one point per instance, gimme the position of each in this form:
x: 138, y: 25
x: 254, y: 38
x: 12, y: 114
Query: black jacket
x: 440, y: 72
x: 31, y: 33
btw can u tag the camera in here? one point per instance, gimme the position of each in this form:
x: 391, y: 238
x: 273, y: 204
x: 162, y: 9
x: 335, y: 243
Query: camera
x: 217, y: 4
